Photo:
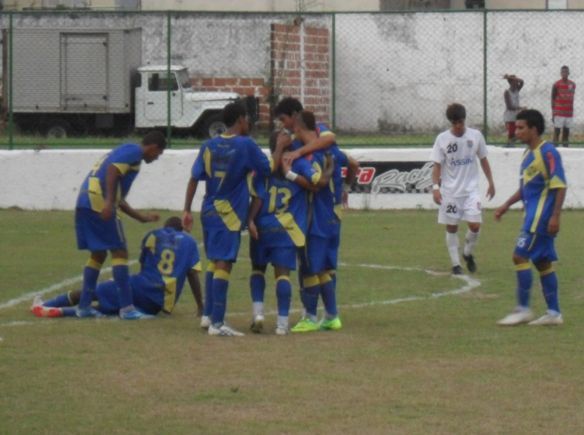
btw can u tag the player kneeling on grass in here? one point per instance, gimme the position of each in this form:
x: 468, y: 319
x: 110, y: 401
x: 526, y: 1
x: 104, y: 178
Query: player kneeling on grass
x: 277, y: 224
x: 320, y: 254
x: 542, y: 188
x: 168, y: 257
x: 455, y: 188
x: 98, y: 227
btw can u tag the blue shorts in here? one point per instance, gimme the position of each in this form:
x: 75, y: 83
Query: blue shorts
x: 277, y: 256
x: 320, y: 254
x: 536, y: 247
x: 95, y: 234
x: 108, y: 296
x: 221, y: 244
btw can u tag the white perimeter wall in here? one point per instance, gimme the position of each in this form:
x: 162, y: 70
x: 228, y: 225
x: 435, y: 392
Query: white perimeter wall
x: 48, y: 180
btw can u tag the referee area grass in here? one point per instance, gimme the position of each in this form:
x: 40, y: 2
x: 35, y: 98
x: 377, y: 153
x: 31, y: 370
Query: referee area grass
x: 434, y: 365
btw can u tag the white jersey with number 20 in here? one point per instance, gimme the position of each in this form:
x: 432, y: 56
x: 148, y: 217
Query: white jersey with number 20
x: 458, y: 159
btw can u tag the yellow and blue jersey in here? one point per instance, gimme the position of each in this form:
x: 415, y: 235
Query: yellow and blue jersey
x: 166, y: 258
x: 282, y: 220
x: 224, y: 163
x: 542, y: 174
x: 127, y: 159
x: 323, y: 222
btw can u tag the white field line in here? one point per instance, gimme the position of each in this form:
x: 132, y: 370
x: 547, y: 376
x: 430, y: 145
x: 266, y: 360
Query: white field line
x: 469, y: 285
x: 65, y: 283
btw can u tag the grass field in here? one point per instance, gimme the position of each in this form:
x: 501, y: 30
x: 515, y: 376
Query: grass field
x: 429, y: 365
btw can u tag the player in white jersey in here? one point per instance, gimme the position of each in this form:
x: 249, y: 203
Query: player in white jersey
x: 455, y: 177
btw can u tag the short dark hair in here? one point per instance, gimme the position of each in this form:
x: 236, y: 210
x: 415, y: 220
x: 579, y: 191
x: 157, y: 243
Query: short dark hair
x: 455, y: 112
x: 307, y: 119
x: 565, y: 67
x: 174, y: 222
x: 533, y: 118
x: 288, y: 106
x: 155, y: 137
x: 232, y: 112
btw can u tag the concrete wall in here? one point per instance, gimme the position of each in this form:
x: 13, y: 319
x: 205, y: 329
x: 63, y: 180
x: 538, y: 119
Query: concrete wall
x: 51, y: 179
x: 397, y: 72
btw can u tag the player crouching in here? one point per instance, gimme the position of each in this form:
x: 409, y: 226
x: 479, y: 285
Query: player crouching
x: 168, y: 257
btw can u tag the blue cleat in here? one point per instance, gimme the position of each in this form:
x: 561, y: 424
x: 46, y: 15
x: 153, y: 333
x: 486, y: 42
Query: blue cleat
x: 88, y: 312
x: 134, y: 314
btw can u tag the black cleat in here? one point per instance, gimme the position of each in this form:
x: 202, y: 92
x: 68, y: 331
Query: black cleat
x: 470, y: 263
x: 457, y: 270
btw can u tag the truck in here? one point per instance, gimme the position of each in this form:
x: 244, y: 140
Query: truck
x: 92, y: 81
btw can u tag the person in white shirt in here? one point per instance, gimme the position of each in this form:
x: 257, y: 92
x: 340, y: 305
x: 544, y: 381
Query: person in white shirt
x: 455, y: 178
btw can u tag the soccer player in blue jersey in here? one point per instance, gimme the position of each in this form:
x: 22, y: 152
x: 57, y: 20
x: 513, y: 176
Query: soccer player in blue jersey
x: 98, y: 226
x: 168, y: 258
x: 320, y: 254
x: 224, y: 163
x: 542, y: 190
x: 277, y: 224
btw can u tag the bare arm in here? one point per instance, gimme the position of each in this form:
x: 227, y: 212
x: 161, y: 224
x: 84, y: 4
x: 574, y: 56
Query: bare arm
x: 254, y: 209
x: 352, y: 170
x: 187, y: 218
x: 554, y: 223
x: 112, y: 177
x: 317, y: 144
x: 487, y: 170
x: 520, y: 83
x: 195, y: 285
x: 516, y: 197
x: 135, y: 214
x: 436, y: 171
x: 508, y: 104
x: 329, y: 166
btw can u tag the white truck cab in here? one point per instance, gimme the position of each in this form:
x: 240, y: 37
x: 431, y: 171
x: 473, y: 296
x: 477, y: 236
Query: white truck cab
x: 199, y: 111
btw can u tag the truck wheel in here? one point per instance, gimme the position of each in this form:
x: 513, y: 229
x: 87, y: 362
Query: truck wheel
x: 214, y: 126
x: 58, y: 129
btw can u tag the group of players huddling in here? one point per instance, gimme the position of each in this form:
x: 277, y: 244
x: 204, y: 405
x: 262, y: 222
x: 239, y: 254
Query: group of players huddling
x: 294, y: 214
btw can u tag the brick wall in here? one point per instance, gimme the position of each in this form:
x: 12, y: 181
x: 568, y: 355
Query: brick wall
x: 287, y: 66
x: 286, y: 71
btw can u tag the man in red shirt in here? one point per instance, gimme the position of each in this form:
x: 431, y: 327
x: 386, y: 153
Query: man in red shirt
x: 563, y: 106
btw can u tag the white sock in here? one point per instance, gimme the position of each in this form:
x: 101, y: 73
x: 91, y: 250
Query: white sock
x: 452, y: 245
x: 282, y: 322
x: 258, y: 309
x: 470, y: 241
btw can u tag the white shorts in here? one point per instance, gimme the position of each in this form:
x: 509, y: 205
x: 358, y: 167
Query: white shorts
x: 464, y: 208
x: 563, y: 122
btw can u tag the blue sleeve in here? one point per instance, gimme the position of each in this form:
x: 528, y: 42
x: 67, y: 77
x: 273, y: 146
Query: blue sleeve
x: 323, y: 129
x: 304, y: 168
x: 341, y: 158
x: 258, y: 161
x: 198, y: 170
x: 257, y: 185
x: 553, y: 162
x: 126, y: 156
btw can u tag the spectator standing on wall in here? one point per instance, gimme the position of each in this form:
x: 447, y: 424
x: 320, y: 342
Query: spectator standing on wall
x: 563, y: 106
x: 512, y: 107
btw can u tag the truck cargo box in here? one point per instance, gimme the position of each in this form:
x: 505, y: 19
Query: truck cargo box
x: 73, y: 70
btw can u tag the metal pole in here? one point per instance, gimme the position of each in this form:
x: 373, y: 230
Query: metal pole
x: 334, y: 72
x: 485, y: 117
x: 168, y: 90
x: 10, y: 88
